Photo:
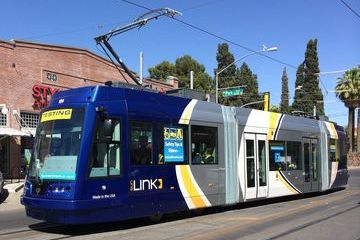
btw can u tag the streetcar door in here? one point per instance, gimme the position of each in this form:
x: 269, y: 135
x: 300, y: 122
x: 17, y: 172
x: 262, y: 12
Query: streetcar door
x: 311, y: 165
x: 256, y: 165
x: 315, y: 165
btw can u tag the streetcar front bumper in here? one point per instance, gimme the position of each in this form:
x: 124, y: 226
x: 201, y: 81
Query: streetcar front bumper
x: 73, y: 211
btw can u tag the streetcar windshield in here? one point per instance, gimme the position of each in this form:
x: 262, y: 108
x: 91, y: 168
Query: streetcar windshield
x: 57, y: 145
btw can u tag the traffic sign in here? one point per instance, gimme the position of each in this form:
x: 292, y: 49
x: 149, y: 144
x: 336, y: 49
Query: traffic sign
x: 233, y: 92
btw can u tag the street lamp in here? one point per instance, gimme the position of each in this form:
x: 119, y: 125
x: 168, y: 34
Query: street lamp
x: 264, y: 49
x: 4, y: 109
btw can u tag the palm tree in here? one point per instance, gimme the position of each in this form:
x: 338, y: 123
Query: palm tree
x: 348, y: 91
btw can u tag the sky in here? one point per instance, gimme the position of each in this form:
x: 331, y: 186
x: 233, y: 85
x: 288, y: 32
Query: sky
x: 248, y: 24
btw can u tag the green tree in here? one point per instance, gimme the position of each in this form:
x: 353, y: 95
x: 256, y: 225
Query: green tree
x: 162, y: 70
x: 245, y: 77
x: 226, y: 78
x: 348, y: 91
x: 311, y: 81
x: 275, y: 108
x: 183, y: 66
x: 284, y: 105
x: 299, y: 92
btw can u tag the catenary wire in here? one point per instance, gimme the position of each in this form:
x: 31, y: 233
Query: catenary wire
x: 200, y: 5
x: 226, y: 40
x: 84, y: 29
x: 217, y: 36
x: 350, y: 8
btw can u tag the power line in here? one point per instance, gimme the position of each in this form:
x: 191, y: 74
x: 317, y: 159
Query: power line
x: 216, y: 36
x: 84, y: 29
x: 138, y: 5
x: 332, y: 72
x: 350, y: 8
x: 228, y: 40
x: 199, y: 5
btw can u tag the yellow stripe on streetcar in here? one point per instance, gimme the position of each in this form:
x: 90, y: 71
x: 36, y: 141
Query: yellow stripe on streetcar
x: 288, y: 186
x: 274, y: 121
x: 194, y: 195
x: 334, y: 132
x: 186, y: 115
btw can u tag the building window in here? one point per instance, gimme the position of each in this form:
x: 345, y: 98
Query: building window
x: 204, y: 145
x: 3, y: 120
x: 141, y: 143
x: 29, y: 120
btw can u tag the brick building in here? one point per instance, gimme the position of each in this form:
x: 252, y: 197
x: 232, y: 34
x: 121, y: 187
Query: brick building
x: 30, y: 73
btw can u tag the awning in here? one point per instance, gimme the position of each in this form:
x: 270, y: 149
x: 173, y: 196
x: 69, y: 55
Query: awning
x: 29, y: 131
x: 13, y: 132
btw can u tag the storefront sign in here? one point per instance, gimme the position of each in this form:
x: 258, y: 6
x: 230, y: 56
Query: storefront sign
x: 41, y: 93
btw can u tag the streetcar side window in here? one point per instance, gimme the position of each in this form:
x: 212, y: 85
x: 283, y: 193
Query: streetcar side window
x: 105, y: 159
x: 277, y: 155
x: 204, y: 149
x: 293, y: 156
x: 171, y: 144
x: 342, y: 154
x: 334, y: 153
x: 141, y: 144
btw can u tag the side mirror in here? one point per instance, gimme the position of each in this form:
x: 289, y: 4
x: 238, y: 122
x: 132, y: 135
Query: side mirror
x: 108, y: 129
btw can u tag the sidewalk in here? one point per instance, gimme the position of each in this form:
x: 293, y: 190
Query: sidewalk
x: 10, y: 198
x: 15, y: 186
x: 10, y: 201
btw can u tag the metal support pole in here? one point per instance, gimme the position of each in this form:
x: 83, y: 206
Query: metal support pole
x: 216, y: 87
x: 265, y: 49
x: 141, y: 67
x: 191, y: 79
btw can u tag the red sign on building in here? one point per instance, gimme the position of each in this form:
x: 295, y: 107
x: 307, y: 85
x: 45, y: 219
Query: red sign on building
x: 41, y: 93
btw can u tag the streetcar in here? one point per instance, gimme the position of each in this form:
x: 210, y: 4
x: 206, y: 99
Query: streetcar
x: 107, y: 153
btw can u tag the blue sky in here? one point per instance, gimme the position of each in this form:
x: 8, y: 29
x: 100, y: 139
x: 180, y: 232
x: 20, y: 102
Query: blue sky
x: 285, y: 24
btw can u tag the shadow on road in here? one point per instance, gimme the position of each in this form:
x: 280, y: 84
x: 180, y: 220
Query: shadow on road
x: 87, y: 229
x: 4, y: 195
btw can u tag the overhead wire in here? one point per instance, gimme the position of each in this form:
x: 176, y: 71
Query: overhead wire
x: 217, y: 36
x: 228, y: 41
x: 199, y: 5
x: 350, y: 8
x: 84, y: 29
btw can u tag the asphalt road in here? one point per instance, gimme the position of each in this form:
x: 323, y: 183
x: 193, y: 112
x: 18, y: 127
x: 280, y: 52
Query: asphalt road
x: 334, y: 215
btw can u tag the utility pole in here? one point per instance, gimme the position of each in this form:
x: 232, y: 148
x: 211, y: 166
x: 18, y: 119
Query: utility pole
x: 141, y: 68
x: 265, y: 49
x: 191, y: 79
